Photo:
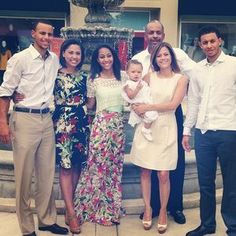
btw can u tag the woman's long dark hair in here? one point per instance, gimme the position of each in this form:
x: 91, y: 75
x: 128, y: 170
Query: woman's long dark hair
x: 96, y: 68
x: 174, y: 64
x: 67, y: 44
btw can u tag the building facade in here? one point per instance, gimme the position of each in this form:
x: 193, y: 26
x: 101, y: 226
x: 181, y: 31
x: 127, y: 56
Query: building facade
x: 181, y: 19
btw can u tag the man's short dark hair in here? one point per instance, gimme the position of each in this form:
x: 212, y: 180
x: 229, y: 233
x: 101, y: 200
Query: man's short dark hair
x: 207, y: 29
x: 43, y: 21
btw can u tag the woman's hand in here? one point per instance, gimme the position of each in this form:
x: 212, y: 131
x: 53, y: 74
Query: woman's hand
x: 18, y: 97
x: 140, y: 109
x: 185, y: 143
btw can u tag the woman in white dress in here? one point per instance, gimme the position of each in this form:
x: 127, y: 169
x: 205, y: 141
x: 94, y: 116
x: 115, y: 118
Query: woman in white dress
x: 168, y: 88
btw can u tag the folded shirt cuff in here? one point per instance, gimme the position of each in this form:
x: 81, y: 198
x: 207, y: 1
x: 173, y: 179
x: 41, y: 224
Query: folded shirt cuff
x: 5, y: 92
x: 187, y: 131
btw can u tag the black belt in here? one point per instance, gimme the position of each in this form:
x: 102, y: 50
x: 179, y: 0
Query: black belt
x: 31, y: 110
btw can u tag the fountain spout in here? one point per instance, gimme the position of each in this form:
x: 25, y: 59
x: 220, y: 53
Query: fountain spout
x: 97, y: 10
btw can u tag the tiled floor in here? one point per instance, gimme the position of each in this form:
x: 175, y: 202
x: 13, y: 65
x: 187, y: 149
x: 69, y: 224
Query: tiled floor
x: 130, y: 226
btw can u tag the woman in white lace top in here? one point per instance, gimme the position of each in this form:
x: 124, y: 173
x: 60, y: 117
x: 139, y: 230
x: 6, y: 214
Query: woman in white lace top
x: 98, y: 194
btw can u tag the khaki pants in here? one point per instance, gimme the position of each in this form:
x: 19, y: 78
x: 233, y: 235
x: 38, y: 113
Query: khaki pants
x: 33, y: 152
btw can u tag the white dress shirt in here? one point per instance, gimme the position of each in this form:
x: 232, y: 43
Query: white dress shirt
x: 212, y: 96
x: 185, y: 63
x: 28, y: 73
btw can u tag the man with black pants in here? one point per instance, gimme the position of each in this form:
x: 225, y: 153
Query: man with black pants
x: 212, y: 110
x: 154, y: 34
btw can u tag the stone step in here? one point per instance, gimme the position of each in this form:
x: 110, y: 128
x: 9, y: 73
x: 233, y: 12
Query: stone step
x: 132, y: 206
x: 130, y: 178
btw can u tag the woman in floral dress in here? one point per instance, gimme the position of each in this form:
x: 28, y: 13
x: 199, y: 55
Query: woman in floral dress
x: 71, y: 126
x: 98, y: 193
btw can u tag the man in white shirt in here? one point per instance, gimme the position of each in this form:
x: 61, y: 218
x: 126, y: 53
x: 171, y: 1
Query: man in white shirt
x: 154, y: 34
x: 32, y: 72
x: 212, y: 110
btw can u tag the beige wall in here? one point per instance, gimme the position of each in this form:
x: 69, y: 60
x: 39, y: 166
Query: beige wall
x: 169, y: 18
x: 77, y: 15
x: 168, y: 15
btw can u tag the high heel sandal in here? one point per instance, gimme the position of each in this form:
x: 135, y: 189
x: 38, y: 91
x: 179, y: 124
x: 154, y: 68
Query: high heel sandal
x: 69, y: 221
x: 161, y: 228
x: 147, y: 224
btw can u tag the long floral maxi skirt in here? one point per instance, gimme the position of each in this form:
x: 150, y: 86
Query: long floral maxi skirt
x: 98, y: 193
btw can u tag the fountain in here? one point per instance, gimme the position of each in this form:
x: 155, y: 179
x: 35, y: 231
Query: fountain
x: 98, y: 30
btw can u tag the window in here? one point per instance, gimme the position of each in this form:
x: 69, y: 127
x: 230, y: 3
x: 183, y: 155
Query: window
x: 17, y: 32
x: 189, y: 36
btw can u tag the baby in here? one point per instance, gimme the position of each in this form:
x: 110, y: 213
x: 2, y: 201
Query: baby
x: 135, y: 90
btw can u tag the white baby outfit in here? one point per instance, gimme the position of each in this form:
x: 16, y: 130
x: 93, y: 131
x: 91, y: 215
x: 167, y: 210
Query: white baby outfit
x: 143, y: 96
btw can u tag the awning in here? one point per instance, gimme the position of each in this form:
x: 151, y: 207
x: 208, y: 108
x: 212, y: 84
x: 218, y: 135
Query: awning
x: 207, y: 7
x: 36, y: 5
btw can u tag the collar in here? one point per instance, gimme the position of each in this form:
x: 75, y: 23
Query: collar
x: 221, y: 58
x: 35, y: 54
x: 146, y: 52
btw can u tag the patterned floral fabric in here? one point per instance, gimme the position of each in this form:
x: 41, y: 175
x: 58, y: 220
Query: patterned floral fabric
x: 98, y: 194
x: 70, y: 120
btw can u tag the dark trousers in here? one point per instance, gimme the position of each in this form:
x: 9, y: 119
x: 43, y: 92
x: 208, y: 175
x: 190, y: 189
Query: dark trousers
x: 208, y: 147
x: 176, y: 176
x: 1, y: 76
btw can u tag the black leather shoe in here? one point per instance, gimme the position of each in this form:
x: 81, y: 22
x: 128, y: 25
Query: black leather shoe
x: 201, y: 231
x: 32, y: 234
x: 141, y: 216
x: 179, y: 217
x: 55, y: 228
x: 154, y: 214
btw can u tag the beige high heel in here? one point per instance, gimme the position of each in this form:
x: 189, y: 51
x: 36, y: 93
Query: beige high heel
x: 147, y: 224
x: 161, y: 228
